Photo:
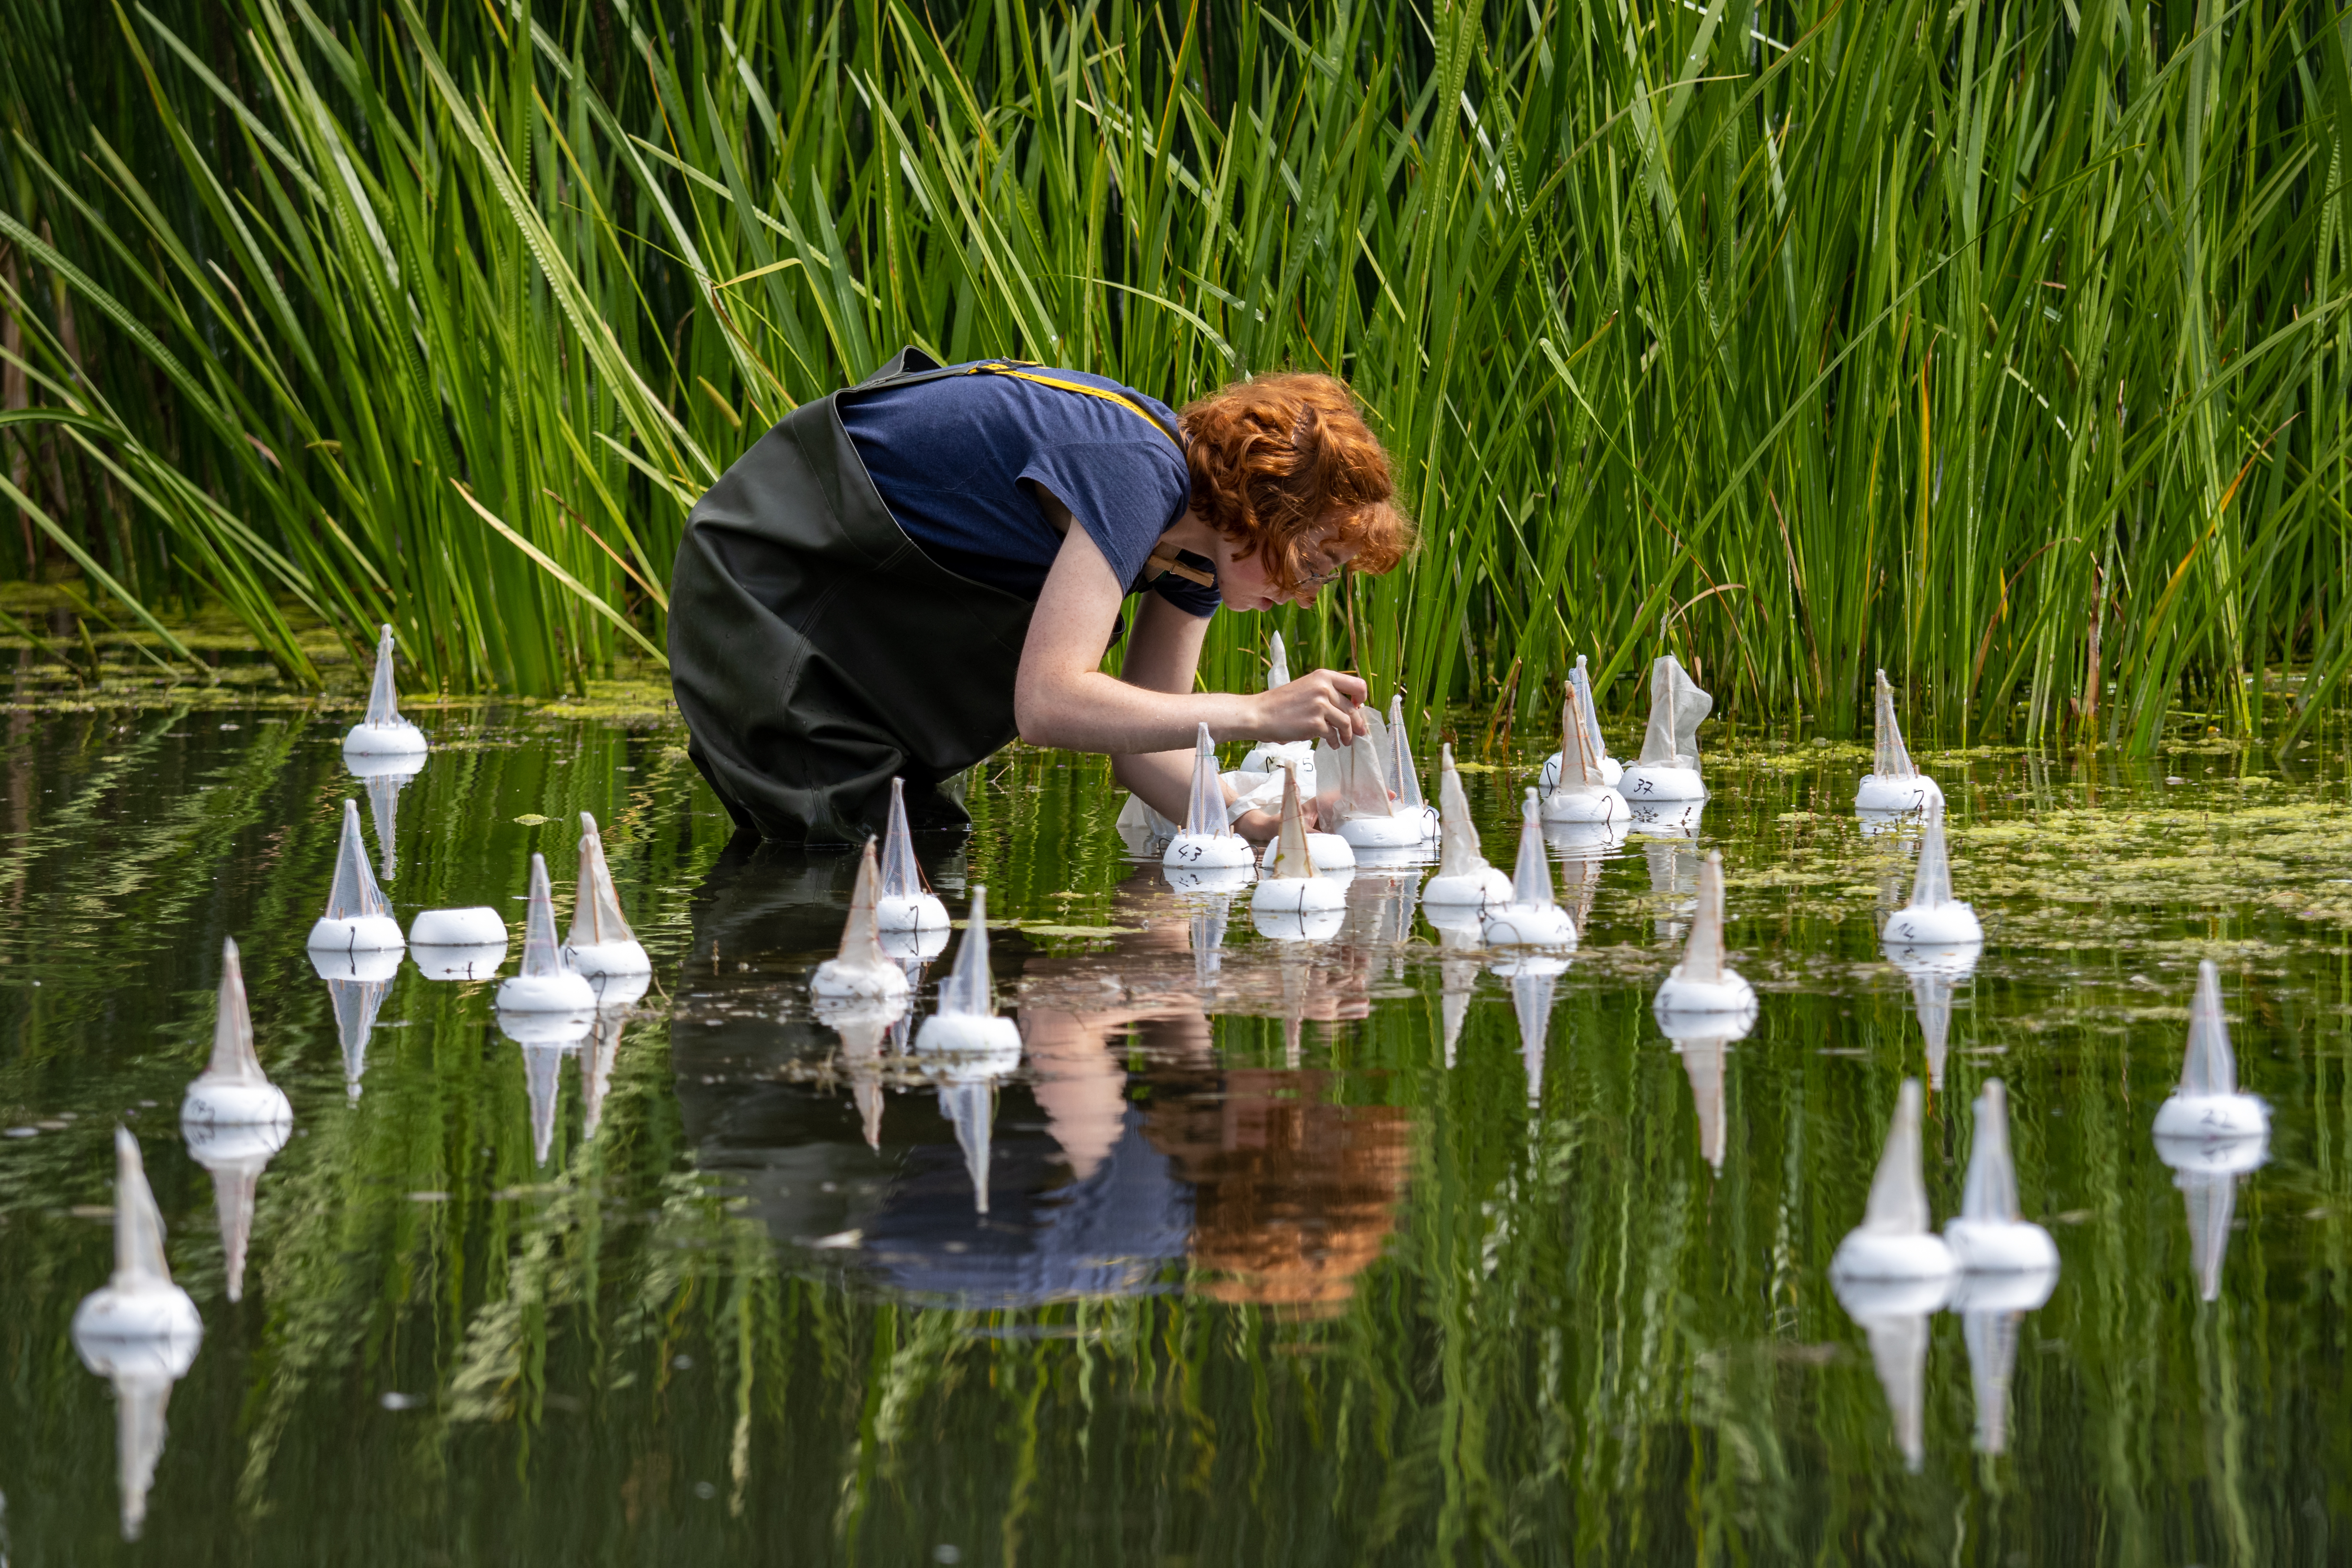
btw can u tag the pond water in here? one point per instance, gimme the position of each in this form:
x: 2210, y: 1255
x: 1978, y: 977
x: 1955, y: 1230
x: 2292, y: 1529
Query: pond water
x: 1339, y: 1252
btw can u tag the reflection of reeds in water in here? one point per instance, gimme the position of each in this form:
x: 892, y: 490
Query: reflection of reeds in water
x: 1294, y: 1196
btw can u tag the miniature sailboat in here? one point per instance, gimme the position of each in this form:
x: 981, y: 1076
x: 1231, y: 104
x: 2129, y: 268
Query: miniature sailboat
x: 384, y: 733
x: 1291, y: 885
x: 357, y: 919
x: 1270, y: 756
x: 967, y: 1021
x: 1893, y: 1242
x: 600, y: 942
x: 1704, y: 1041
x: 1668, y: 766
x: 1533, y: 918
x: 1404, y: 779
x: 861, y: 969
x: 139, y: 1330
x: 2206, y: 1105
x: 468, y: 944
x: 233, y: 1091
x: 1360, y: 773
x: 1207, y: 840
x: 1991, y: 1234
x: 1579, y: 692
x: 1327, y: 852
x: 1703, y: 982
x: 1463, y: 879
x: 1892, y: 786
x: 546, y: 983
x: 906, y: 904
x: 1579, y: 793
x: 1933, y: 918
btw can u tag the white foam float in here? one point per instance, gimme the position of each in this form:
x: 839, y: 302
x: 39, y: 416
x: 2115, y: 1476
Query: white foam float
x: 1292, y: 885
x: 1404, y: 778
x: 234, y: 1119
x: 468, y: 944
x: 546, y: 982
x: 1533, y: 917
x: 1534, y: 980
x: 1668, y: 766
x: 384, y: 733
x: 1578, y: 791
x: 1332, y: 854
x: 1703, y: 982
x: 1356, y: 778
x: 600, y: 942
x: 1933, y: 973
x: 1704, y: 1041
x: 1892, y: 1243
x: 139, y: 1331
x: 1273, y: 755
x: 1463, y: 879
x: 907, y: 902
x: 358, y: 918
x: 1892, y: 786
x: 909, y: 947
x: 861, y: 969
x: 2206, y: 1104
x: 1207, y: 840
x: 1992, y: 1235
x: 1588, y: 718
x: 1933, y: 918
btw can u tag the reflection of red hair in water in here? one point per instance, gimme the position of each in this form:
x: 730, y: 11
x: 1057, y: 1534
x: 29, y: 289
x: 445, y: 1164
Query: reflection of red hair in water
x: 1293, y: 1196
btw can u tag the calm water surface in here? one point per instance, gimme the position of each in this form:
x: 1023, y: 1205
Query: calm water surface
x: 1339, y: 1252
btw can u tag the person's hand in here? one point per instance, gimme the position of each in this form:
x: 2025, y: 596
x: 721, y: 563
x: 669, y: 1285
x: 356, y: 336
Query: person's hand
x: 1323, y: 706
x: 1260, y: 827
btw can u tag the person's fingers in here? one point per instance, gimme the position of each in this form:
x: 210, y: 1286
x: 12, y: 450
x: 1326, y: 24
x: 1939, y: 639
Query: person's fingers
x: 1350, y: 686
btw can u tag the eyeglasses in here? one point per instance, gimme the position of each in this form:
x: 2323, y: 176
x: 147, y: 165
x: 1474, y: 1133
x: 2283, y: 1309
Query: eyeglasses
x: 1321, y: 579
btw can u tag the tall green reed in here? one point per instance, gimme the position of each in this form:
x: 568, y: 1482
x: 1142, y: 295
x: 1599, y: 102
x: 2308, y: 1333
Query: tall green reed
x: 2000, y: 348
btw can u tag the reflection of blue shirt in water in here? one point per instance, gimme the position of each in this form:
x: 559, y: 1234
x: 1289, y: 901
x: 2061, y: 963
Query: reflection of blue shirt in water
x: 953, y: 460
x: 1112, y: 1234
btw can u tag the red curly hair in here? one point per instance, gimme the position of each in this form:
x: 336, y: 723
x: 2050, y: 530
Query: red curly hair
x: 1285, y: 464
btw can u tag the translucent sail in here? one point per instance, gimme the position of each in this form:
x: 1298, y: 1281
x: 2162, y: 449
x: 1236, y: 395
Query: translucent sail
x: 1580, y: 758
x: 1363, y: 777
x: 540, y: 952
x: 902, y: 874
x: 1291, y: 859
x: 1277, y: 662
x: 354, y: 895
x: 596, y: 905
x: 1898, y: 1196
x: 138, y: 1225
x: 1404, y: 778
x: 1677, y: 708
x: 1580, y: 681
x: 1206, y: 815
x: 1702, y: 958
x: 1531, y: 877
x: 1893, y: 760
x: 383, y: 707
x: 1990, y: 1196
x: 968, y: 990
x: 1458, y: 850
x: 234, y: 1061
x: 2210, y: 1068
x: 1931, y: 885
x: 861, y: 945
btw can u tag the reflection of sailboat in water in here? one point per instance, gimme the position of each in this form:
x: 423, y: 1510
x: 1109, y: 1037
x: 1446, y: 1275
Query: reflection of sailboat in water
x: 1934, y: 973
x: 1534, y: 979
x: 598, y: 1056
x: 965, y: 1047
x: 356, y: 984
x: 234, y: 1119
x: 385, y: 778
x: 1703, y: 1042
x: 1463, y: 952
x: 1674, y: 885
x: 2210, y: 1133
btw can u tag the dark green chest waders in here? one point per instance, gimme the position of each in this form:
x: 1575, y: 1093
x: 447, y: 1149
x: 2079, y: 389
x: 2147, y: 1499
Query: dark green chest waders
x: 816, y: 651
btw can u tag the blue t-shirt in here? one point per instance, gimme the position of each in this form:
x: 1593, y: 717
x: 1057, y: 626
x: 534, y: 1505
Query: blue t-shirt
x: 955, y: 459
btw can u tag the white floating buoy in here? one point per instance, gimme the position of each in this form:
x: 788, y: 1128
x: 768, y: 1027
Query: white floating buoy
x: 233, y: 1091
x: 1291, y: 885
x: 906, y: 904
x: 1358, y: 774
x: 1668, y: 766
x: 1463, y: 879
x: 1992, y: 1235
x: 358, y: 919
x: 384, y: 733
x: 1404, y: 778
x: 545, y: 983
x: 1892, y: 786
x: 1331, y: 851
x: 1893, y: 1242
x: 2206, y: 1105
x: 1533, y: 917
x: 459, y: 944
x: 1579, y: 692
x: 600, y: 942
x: 1703, y: 982
x: 861, y: 969
x: 1272, y: 756
x: 1579, y: 793
x: 1207, y: 840
x: 1933, y: 918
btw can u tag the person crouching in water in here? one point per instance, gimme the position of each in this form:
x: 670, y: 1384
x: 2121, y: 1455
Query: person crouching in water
x: 900, y: 578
